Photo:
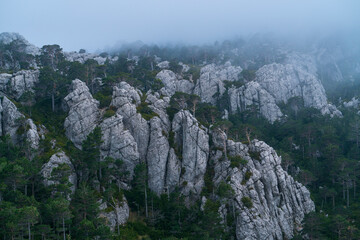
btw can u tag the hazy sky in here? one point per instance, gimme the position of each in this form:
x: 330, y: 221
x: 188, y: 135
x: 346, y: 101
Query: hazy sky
x: 95, y: 24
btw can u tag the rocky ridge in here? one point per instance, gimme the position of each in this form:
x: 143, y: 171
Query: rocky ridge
x: 274, y: 84
x: 18, y: 83
x: 83, y: 115
x: 269, y: 203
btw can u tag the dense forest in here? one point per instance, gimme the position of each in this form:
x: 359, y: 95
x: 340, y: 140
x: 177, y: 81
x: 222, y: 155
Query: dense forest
x: 321, y: 152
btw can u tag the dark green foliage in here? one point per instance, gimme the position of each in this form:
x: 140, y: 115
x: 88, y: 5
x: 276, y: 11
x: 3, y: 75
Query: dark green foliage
x: 224, y: 190
x: 237, y: 161
x: 146, y: 111
x: 109, y: 113
x: 175, y: 67
x: 104, y: 97
x: 247, y: 176
x: 248, y: 74
x: 247, y: 202
x: 255, y: 155
x: 13, y: 54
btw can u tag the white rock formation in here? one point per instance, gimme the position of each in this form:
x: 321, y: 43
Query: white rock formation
x: 83, y: 115
x: 279, y: 203
x: 210, y: 85
x: 174, y: 83
x: 18, y: 83
x: 55, y: 161
x: 118, y: 143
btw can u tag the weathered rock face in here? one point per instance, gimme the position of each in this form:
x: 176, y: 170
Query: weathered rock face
x: 157, y: 156
x: 277, y: 83
x: 17, y: 52
x: 55, y: 161
x: 125, y: 98
x: 32, y: 134
x: 174, y: 83
x: 18, y: 83
x: 192, y: 140
x: 279, y: 203
x: 9, y: 119
x: 83, y: 115
x: 7, y: 38
x: 211, y: 81
x: 118, y: 143
x: 115, y: 213
x: 251, y: 96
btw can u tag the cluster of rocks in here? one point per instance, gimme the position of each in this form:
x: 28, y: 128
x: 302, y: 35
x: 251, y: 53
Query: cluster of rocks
x: 20, y: 129
x: 83, y: 57
x: 274, y: 84
x: 177, y: 153
x: 7, y: 38
x: 269, y: 203
x: 18, y: 83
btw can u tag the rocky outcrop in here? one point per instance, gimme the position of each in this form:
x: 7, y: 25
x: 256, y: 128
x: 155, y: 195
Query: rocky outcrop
x: 270, y: 204
x: 353, y: 103
x: 7, y: 38
x: 163, y: 64
x: 210, y: 85
x: 83, y: 115
x: 174, y: 83
x: 276, y: 83
x: 253, y: 97
x: 55, y: 161
x: 118, y: 143
x: 14, y: 124
x: 157, y: 155
x: 16, y: 52
x: 10, y: 119
x: 32, y: 134
x: 115, y: 213
x: 83, y: 57
x: 192, y: 143
x: 18, y: 83
x: 126, y: 98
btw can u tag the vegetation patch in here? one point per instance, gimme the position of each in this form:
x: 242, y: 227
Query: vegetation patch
x: 109, y: 113
x: 255, y: 155
x: 247, y: 202
x: 237, y: 161
x: 247, y: 176
x: 146, y: 111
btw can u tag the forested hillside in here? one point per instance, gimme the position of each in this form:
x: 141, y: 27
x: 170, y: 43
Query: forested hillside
x: 244, y: 139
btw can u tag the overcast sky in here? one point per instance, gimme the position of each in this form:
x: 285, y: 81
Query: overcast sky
x: 96, y: 24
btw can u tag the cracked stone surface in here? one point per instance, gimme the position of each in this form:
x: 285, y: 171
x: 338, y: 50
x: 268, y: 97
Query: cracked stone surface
x: 212, y: 79
x: 18, y: 83
x: 126, y: 98
x: 83, y: 114
x: 174, y: 83
x: 192, y: 140
x: 279, y: 202
x: 118, y: 143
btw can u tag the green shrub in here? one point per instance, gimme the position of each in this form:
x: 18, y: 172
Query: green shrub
x: 104, y: 100
x: 247, y: 202
x: 109, y: 113
x: 254, y: 155
x: 247, y: 176
x: 146, y: 111
x: 237, y: 161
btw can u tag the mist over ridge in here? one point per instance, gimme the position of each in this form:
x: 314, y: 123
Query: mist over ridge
x: 95, y: 26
